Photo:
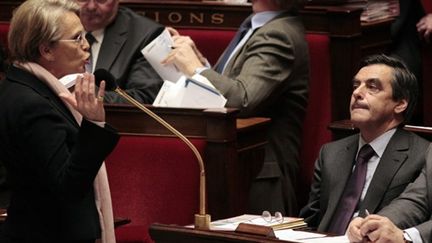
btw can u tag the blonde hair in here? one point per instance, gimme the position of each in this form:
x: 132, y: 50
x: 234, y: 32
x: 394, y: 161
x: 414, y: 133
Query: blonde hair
x: 36, y: 22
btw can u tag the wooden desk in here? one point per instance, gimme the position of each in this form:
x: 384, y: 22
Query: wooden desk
x: 233, y: 154
x: 170, y: 233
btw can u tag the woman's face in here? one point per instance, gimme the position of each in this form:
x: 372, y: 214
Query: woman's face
x: 71, y: 52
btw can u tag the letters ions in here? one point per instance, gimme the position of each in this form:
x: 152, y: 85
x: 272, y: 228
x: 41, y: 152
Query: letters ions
x: 185, y: 18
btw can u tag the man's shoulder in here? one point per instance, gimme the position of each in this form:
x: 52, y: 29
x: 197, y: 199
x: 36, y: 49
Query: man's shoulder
x: 414, y: 138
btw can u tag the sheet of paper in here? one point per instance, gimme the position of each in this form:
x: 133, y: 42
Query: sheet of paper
x: 328, y: 239
x: 156, y: 51
x: 297, y: 235
x: 189, y: 93
x: 232, y: 223
x: 69, y: 80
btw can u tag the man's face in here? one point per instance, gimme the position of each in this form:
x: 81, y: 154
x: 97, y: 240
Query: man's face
x: 372, y: 104
x: 97, y: 14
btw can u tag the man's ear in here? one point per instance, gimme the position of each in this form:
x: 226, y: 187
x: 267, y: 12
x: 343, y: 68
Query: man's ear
x: 46, y: 52
x: 401, y: 106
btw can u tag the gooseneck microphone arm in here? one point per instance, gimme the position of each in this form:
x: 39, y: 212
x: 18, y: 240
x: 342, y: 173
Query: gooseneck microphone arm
x: 202, y: 220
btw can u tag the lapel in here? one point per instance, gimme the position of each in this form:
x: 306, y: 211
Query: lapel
x: 341, y: 168
x: 115, y: 37
x: 27, y: 79
x: 395, y: 154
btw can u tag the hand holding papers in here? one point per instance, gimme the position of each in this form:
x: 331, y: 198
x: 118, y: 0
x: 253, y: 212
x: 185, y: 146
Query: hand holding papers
x: 178, y: 90
x: 157, y: 51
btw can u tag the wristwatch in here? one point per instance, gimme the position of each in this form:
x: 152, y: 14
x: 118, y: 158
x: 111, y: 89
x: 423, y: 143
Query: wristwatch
x: 407, y: 238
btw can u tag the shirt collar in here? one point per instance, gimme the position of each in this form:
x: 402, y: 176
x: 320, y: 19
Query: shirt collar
x: 379, y: 144
x: 261, y: 18
x: 98, y: 35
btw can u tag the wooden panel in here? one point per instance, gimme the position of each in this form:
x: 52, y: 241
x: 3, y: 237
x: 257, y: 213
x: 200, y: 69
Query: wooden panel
x: 207, y: 14
x: 170, y: 233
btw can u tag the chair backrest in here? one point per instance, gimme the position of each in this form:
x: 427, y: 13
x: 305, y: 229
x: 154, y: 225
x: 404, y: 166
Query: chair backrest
x: 210, y: 42
x: 4, y: 29
x: 154, y: 179
x: 318, y: 113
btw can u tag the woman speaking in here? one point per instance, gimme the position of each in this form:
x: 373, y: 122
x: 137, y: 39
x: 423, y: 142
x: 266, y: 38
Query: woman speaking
x: 53, y: 143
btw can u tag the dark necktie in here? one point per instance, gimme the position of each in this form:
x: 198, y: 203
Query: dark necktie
x: 352, y: 192
x: 243, y: 29
x: 91, y: 39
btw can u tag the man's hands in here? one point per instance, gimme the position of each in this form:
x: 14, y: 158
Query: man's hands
x: 185, y: 55
x: 374, y: 228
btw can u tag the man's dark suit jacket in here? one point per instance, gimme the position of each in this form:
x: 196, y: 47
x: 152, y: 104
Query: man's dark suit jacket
x: 120, y: 53
x: 269, y: 77
x: 51, y: 163
x: 400, y: 164
x: 414, y: 206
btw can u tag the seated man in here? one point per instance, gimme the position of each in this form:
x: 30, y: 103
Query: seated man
x: 384, y: 96
x: 411, y: 211
x: 118, y: 35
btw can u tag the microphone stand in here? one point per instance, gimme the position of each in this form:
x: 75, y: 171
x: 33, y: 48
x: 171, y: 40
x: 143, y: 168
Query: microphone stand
x: 202, y: 220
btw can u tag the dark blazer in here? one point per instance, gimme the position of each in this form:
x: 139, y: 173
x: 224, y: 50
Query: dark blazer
x: 51, y: 163
x: 120, y: 53
x: 400, y: 164
x: 414, y: 206
x: 269, y: 77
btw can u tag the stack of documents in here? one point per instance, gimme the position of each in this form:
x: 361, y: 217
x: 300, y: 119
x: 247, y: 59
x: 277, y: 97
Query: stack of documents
x: 283, y: 231
x: 196, y: 92
x: 232, y: 223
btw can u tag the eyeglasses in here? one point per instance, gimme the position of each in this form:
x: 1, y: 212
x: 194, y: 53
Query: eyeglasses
x: 78, y: 40
x: 266, y: 215
x: 96, y: 1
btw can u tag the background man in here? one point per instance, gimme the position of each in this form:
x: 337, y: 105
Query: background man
x: 384, y: 96
x: 263, y: 73
x: 119, y: 35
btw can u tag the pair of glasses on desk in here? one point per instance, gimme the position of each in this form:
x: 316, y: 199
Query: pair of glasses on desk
x: 269, y: 218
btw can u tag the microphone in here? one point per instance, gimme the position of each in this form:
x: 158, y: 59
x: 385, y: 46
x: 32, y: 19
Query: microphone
x: 202, y: 220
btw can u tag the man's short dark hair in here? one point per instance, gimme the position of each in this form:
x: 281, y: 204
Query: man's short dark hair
x: 404, y: 83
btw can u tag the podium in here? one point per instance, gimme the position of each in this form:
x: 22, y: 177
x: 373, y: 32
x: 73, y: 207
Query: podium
x: 232, y: 150
x: 161, y: 233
